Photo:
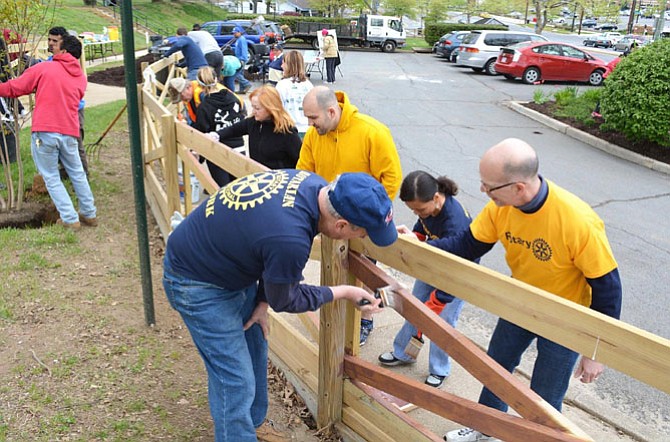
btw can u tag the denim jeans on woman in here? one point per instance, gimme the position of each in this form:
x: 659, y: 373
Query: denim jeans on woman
x: 236, y: 360
x: 47, y: 148
x: 239, y: 76
x: 552, y: 370
x: 438, y: 360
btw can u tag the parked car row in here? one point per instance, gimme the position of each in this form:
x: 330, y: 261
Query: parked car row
x: 529, y: 57
x: 479, y: 49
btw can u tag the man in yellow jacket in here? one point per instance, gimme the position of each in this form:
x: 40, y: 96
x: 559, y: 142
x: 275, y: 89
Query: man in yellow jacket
x: 341, y: 139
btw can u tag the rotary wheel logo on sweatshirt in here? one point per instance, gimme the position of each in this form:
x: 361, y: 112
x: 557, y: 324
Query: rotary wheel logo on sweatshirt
x: 541, y: 249
x: 246, y: 192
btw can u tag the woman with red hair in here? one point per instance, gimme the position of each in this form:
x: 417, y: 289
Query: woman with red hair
x: 273, y: 138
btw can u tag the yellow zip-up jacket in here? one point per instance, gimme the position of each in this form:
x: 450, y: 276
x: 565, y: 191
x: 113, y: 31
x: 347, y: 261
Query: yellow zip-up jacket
x: 358, y: 144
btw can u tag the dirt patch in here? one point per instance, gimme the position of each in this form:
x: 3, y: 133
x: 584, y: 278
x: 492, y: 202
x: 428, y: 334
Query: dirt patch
x: 647, y: 149
x: 117, y: 76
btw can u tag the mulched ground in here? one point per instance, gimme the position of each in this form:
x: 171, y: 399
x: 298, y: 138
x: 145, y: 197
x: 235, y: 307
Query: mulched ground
x: 117, y: 76
x: 650, y: 150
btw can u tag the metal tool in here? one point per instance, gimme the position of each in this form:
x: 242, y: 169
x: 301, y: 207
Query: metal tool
x: 386, y: 294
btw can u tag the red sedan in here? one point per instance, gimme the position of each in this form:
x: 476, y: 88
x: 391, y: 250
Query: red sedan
x: 539, y: 61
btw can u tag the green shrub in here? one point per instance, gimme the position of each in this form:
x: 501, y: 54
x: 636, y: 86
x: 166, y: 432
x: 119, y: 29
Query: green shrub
x: 565, y: 96
x: 571, y: 104
x: 635, y: 97
x: 540, y: 97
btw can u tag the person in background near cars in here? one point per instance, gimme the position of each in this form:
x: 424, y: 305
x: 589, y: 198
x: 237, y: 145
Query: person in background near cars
x: 273, y: 138
x: 440, y: 216
x: 210, y: 48
x: 570, y: 258
x: 230, y: 67
x: 275, y: 69
x: 342, y: 139
x: 59, y: 86
x: 293, y: 88
x: 193, y: 56
x: 196, y: 27
x: 219, y: 108
x: 330, y: 54
x: 242, y: 54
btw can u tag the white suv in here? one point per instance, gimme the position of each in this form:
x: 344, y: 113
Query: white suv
x: 479, y: 49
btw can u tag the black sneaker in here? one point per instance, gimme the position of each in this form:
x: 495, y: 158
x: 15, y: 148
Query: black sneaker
x: 390, y: 360
x: 435, y: 380
x: 366, y: 328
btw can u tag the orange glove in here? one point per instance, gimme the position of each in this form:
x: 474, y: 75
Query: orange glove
x: 435, y: 304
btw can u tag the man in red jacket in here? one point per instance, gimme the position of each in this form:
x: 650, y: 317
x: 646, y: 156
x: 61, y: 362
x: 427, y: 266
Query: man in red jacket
x: 59, y: 86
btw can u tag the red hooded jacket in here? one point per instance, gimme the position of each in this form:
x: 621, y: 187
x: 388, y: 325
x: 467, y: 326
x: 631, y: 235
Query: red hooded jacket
x: 59, y: 86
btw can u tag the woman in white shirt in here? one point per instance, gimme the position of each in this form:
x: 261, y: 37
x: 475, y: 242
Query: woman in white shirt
x: 293, y: 88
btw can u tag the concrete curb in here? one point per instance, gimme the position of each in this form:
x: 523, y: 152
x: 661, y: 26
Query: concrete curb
x: 589, y: 139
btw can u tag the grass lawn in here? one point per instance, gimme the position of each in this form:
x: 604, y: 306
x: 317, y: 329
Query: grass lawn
x: 417, y: 42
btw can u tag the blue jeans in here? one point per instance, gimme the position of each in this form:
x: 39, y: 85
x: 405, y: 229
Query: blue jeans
x: 552, y: 370
x: 236, y: 360
x: 438, y: 360
x: 229, y: 82
x: 192, y: 74
x: 239, y: 76
x: 47, y: 148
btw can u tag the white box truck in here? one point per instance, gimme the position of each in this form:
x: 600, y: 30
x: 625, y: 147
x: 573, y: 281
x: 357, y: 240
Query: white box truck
x: 379, y: 31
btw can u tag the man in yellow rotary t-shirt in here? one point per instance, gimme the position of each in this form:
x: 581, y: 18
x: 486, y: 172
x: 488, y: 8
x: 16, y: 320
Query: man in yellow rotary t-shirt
x: 553, y: 241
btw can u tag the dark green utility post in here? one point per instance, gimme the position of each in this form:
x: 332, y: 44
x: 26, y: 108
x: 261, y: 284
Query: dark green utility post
x: 136, y: 158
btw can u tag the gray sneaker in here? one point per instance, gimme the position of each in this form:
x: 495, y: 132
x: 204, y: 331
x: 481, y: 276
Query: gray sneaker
x: 468, y: 435
x: 435, y: 380
x: 391, y: 361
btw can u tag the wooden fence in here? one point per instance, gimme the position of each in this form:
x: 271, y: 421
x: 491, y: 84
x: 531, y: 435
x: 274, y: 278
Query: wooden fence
x: 344, y: 390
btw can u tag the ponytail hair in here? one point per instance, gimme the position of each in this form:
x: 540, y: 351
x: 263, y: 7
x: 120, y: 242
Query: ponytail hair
x: 421, y: 186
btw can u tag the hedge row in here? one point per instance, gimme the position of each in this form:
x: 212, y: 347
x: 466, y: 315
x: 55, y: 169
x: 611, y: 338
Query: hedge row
x: 290, y: 20
x: 433, y: 31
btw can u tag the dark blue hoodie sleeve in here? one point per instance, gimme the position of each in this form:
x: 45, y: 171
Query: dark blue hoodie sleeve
x: 606, y: 294
x: 295, y: 298
x: 176, y: 46
x: 464, y: 245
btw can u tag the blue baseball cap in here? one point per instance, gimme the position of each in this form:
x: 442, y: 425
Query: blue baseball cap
x: 362, y: 200
x: 237, y: 29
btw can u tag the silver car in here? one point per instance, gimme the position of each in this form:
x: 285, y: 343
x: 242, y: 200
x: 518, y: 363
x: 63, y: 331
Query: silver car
x: 630, y: 40
x: 479, y: 49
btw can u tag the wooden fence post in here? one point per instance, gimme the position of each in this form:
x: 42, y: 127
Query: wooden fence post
x: 331, y: 334
x: 171, y: 177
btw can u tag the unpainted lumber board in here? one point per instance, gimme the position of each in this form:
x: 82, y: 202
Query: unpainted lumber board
x: 633, y: 351
x: 483, y: 418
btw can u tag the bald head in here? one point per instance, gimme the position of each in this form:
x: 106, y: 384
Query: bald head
x: 322, y: 97
x: 512, y: 159
x: 322, y: 110
x: 508, y: 173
